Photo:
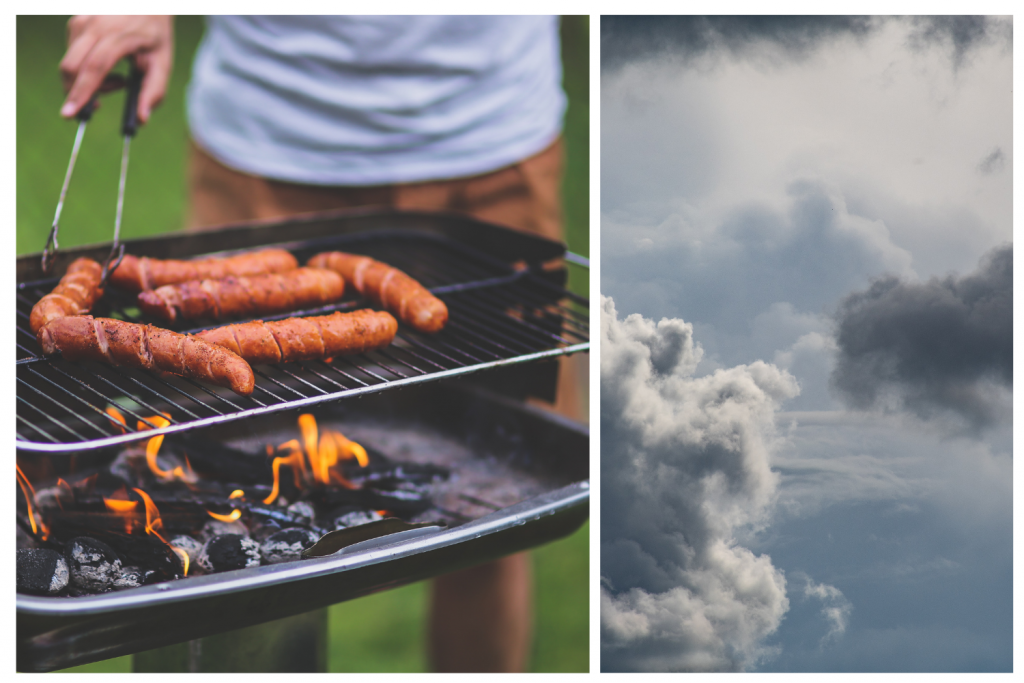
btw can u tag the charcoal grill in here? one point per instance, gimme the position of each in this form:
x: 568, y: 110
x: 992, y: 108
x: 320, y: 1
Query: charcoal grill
x: 499, y: 316
x: 506, y: 309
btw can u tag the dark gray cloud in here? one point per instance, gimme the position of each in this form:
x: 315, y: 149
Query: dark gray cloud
x: 959, y: 35
x: 684, y: 39
x: 995, y: 161
x: 689, y: 458
x: 626, y: 39
x: 932, y: 347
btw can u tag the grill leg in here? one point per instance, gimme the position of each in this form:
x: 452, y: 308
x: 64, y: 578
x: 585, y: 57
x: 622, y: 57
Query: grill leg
x: 292, y: 645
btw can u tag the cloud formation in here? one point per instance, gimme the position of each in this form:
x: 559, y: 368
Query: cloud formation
x: 834, y: 607
x: 933, y: 348
x: 690, y: 461
x: 690, y: 40
x: 683, y: 38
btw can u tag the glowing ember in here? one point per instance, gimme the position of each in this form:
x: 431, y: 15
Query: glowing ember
x: 235, y: 514
x: 237, y: 493
x: 30, y: 498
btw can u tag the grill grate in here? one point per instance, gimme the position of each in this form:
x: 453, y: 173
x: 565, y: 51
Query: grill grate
x: 498, y: 315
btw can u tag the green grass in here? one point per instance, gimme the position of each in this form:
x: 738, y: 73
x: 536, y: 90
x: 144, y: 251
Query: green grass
x: 383, y: 632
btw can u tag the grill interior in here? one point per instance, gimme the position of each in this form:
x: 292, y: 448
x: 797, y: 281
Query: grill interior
x: 498, y: 315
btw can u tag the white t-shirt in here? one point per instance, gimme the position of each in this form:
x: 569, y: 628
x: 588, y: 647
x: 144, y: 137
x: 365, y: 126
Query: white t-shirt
x: 376, y: 100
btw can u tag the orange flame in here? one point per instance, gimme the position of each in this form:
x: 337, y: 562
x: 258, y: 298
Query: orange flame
x: 30, y: 498
x: 63, y: 486
x: 294, y: 460
x: 323, y: 452
x: 116, y: 414
x: 237, y: 493
x: 235, y: 514
x: 124, y: 508
x: 153, y: 448
x: 154, y: 524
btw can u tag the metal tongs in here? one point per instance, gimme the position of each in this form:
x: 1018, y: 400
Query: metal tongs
x: 129, y: 125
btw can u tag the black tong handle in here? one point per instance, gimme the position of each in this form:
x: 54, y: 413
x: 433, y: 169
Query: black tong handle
x: 130, y: 119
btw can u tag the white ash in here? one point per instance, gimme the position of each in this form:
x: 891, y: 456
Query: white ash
x: 215, y: 528
x: 41, y: 571
x: 356, y: 518
x: 229, y: 551
x: 287, y: 545
x: 131, y: 577
x: 93, y: 564
x: 191, y: 546
x: 302, y: 511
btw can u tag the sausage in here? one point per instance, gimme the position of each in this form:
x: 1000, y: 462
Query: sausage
x: 75, y: 294
x: 139, y: 274
x: 313, y: 338
x: 124, y: 344
x: 389, y: 287
x: 235, y: 297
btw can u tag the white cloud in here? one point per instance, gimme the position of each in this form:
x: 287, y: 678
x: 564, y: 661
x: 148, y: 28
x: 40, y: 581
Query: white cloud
x: 690, y: 461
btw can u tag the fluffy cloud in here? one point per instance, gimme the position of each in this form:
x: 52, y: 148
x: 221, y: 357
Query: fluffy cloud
x: 935, y: 347
x: 690, y: 461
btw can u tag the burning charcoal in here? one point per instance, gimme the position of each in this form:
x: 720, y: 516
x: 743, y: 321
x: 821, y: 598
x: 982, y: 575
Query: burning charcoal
x: 130, y: 577
x: 93, y: 564
x: 215, y: 528
x: 287, y: 545
x: 302, y: 512
x: 229, y: 551
x: 351, y: 516
x: 41, y: 571
x: 191, y: 546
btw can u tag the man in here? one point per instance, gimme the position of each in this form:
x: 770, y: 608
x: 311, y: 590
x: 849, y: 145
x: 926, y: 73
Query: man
x: 297, y: 114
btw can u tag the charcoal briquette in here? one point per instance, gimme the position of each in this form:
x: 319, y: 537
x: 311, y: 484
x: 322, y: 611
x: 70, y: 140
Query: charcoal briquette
x: 302, y: 511
x: 41, y: 571
x: 215, y: 528
x: 347, y: 517
x: 191, y: 546
x: 93, y: 564
x: 287, y: 545
x: 130, y: 577
x: 229, y: 551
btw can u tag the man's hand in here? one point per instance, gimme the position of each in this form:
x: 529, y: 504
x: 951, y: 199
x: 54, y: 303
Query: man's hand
x: 97, y: 43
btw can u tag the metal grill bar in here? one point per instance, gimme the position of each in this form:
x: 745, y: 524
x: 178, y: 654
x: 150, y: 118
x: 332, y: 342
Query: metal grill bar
x: 498, y: 316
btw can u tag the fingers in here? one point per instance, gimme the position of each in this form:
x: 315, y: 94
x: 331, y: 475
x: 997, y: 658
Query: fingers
x: 96, y: 44
x: 157, y: 69
x: 91, y: 68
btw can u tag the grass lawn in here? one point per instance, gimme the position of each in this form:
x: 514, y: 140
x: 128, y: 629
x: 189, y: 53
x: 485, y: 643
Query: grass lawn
x: 383, y: 632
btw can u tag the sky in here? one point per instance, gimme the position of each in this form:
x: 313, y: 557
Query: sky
x: 806, y: 344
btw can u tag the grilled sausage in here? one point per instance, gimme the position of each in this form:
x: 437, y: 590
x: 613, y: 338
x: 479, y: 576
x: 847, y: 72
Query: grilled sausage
x: 389, y: 287
x: 120, y: 343
x: 139, y: 274
x: 243, y: 296
x: 313, y: 338
x: 75, y: 294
